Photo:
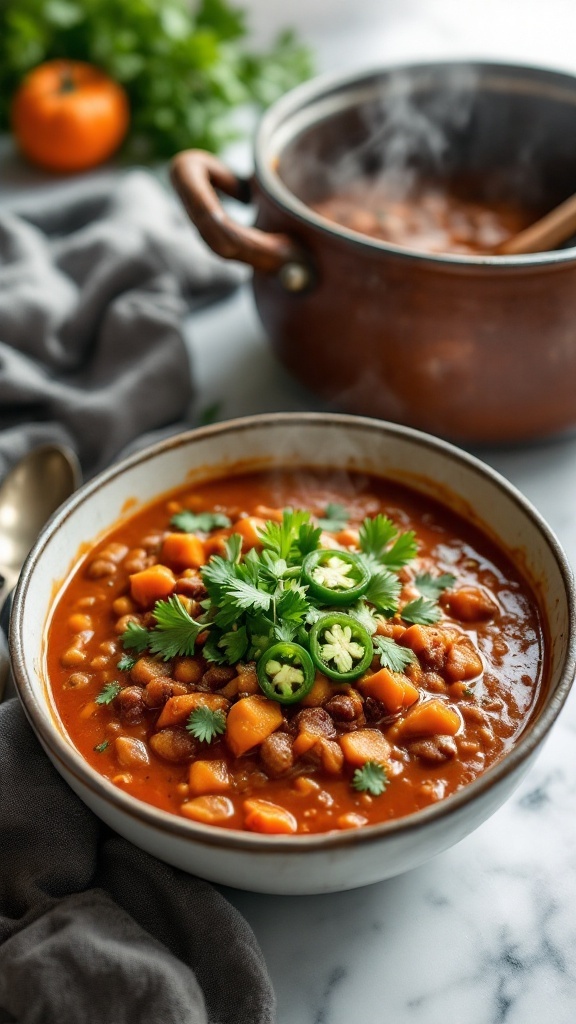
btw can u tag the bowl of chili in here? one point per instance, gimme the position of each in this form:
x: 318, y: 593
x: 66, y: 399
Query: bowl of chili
x: 381, y: 199
x: 295, y: 653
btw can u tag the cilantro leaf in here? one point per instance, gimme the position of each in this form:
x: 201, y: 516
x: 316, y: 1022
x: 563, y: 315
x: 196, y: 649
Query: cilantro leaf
x: 211, y: 651
x: 205, y: 724
x: 126, y: 663
x: 392, y: 656
x: 292, y: 604
x: 285, y: 631
x: 375, y: 534
x: 335, y: 518
x: 233, y: 547
x: 364, y: 615
x: 384, y: 591
x: 421, y: 612
x: 234, y: 644
x: 108, y: 693
x: 216, y: 575
x: 403, y: 550
x: 101, y: 747
x: 308, y: 538
x: 281, y: 538
x: 135, y: 638
x: 203, y: 522
x: 175, y: 632
x: 432, y: 586
x: 370, y: 778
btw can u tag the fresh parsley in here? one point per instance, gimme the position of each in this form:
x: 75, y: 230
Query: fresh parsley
x: 384, y: 591
x: 392, y: 656
x: 108, y: 693
x: 205, y: 724
x: 199, y: 522
x: 370, y: 778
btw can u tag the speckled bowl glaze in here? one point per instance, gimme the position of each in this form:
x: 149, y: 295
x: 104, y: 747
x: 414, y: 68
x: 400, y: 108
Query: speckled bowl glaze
x: 335, y: 860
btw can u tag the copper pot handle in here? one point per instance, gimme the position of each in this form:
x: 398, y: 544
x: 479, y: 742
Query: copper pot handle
x: 197, y: 176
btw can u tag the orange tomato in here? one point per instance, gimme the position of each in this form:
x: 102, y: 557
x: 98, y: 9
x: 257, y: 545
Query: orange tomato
x: 68, y: 115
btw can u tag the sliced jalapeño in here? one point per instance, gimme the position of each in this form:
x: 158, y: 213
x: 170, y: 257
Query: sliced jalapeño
x: 335, y: 577
x: 340, y: 647
x: 285, y: 673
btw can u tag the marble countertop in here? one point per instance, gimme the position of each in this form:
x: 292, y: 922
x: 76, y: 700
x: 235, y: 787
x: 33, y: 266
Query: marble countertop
x: 486, y: 932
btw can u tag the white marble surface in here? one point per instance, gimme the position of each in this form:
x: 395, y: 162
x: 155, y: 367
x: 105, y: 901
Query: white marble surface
x: 486, y: 933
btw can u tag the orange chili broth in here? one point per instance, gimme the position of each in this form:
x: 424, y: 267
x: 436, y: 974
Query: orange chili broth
x: 523, y: 685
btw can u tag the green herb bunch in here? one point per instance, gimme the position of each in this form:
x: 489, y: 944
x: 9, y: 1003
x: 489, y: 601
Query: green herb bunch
x: 184, y: 65
x: 259, y: 599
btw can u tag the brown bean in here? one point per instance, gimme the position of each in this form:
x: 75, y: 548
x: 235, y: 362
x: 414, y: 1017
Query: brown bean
x: 130, y: 704
x: 160, y: 689
x: 276, y: 753
x: 147, y: 668
x: 217, y: 676
x: 76, y: 681
x: 434, y: 749
x: 173, y: 744
x: 100, y: 567
x: 123, y: 622
x: 315, y: 721
x: 131, y: 752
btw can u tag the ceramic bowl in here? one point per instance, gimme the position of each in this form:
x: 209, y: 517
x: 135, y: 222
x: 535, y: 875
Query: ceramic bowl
x: 314, y: 863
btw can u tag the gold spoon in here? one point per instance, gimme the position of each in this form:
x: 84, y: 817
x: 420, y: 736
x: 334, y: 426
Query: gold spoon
x: 32, y: 491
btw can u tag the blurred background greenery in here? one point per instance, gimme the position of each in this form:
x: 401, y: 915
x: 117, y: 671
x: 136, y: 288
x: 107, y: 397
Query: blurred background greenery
x: 186, y: 66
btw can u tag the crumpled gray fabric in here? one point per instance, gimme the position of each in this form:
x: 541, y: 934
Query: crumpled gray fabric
x: 92, y: 929
x: 93, y: 290
x: 92, y: 295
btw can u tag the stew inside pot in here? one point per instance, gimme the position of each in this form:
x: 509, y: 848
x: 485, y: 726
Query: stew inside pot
x: 295, y: 652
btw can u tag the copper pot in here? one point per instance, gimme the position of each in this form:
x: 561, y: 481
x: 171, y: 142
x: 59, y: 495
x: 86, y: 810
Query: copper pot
x: 480, y: 349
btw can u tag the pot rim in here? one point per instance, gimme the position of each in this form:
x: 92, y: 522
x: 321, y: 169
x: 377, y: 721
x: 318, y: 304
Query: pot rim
x: 62, y: 749
x: 286, y: 109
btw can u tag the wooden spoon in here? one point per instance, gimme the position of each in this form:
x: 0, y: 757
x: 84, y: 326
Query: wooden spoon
x: 546, y: 233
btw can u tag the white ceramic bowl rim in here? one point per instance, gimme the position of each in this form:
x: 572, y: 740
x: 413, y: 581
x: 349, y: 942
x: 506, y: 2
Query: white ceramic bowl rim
x: 163, y: 821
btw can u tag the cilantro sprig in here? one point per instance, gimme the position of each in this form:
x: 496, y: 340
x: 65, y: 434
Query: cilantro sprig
x: 392, y: 656
x: 108, y: 693
x: 370, y: 778
x: 206, y: 724
x: 175, y: 632
x: 199, y: 522
x: 335, y: 518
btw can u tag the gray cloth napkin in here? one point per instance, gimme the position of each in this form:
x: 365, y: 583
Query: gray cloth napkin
x: 93, y: 929
x: 93, y: 290
x: 92, y: 295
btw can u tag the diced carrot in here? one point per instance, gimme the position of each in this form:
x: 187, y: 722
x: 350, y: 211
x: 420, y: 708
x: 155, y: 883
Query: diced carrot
x: 249, y: 529
x: 365, y: 745
x: 250, y: 721
x: 304, y: 742
x: 152, y: 584
x: 183, y: 551
x: 392, y: 629
x: 90, y: 709
x: 177, y: 709
x: 392, y: 689
x: 320, y: 692
x: 209, y: 777
x: 264, y: 816
x: 432, y: 718
x: 348, y: 538
x: 215, y: 544
x: 469, y: 604
x: 247, y: 680
x: 187, y: 670
x: 210, y: 810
